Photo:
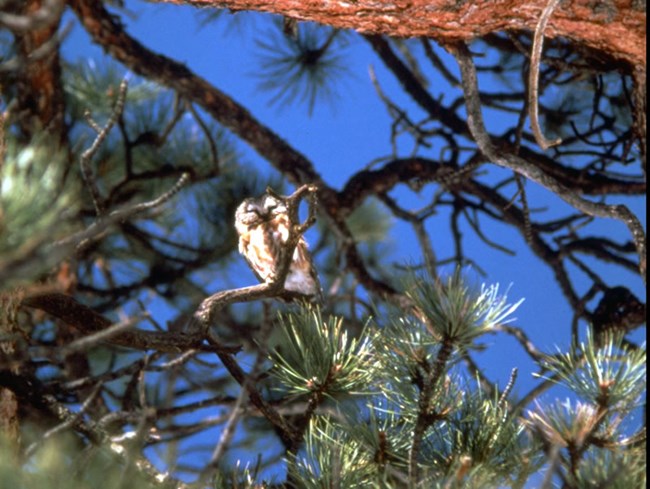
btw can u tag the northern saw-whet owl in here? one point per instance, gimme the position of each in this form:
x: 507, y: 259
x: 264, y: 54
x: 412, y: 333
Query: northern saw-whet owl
x: 263, y: 225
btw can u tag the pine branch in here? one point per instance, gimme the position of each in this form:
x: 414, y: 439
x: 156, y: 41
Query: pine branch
x: 31, y: 391
x: 523, y: 167
x: 86, y: 320
x: 87, y: 155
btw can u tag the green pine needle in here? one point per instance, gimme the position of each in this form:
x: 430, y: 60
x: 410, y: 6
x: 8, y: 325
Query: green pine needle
x: 609, y: 375
x: 453, y: 312
x: 316, y: 354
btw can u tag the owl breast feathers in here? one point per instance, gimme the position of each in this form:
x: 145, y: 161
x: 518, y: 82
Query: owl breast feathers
x: 263, y: 226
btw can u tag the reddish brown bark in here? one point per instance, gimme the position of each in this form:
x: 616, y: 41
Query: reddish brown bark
x: 617, y: 27
x: 39, y: 86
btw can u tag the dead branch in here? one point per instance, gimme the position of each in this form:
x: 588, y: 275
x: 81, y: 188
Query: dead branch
x: 533, y: 77
x: 102, y: 132
x: 532, y: 172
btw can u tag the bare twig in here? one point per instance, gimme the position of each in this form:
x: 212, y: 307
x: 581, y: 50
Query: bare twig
x: 401, y: 121
x: 523, y: 340
x: 130, y: 211
x: 535, y: 392
x: 236, y: 410
x: 87, y: 342
x: 474, y: 223
x: 285, y: 432
x: 533, y: 77
x: 521, y: 190
x: 81, y: 383
x: 438, y: 63
x: 214, y: 151
x: 532, y: 172
x: 508, y: 388
x: 68, y: 423
x: 98, y: 229
x: 475, y: 371
x: 417, y: 221
x: 87, y: 155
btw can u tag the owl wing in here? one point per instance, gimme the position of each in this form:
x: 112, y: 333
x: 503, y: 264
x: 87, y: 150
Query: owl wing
x: 302, y: 277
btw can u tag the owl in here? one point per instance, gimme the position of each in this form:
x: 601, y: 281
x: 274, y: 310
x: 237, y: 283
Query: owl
x: 263, y: 226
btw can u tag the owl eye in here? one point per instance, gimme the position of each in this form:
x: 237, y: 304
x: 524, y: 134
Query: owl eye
x: 271, y: 204
x: 252, y: 209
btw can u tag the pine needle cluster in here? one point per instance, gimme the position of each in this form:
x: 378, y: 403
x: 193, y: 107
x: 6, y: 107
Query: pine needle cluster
x: 395, y: 408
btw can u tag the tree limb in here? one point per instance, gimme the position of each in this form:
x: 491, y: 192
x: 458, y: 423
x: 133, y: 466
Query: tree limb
x: 523, y: 167
x: 617, y: 29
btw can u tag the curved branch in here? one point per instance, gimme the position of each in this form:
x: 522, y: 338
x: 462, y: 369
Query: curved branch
x: 375, y: 182
x: 523, y: 167
x: 533, y: 77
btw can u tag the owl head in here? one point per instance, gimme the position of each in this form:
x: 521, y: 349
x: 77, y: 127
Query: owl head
x: 254, y: 211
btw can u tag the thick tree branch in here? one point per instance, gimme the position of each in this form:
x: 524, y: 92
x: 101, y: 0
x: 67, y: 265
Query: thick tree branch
x: 407, y: 170
x: 87, y: 321
x: 618, y: 29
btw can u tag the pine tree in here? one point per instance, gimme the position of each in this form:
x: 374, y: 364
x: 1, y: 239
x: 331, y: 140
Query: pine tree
x: 135, y: 349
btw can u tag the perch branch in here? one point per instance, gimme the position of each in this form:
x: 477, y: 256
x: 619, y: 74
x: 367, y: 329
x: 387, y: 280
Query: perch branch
x: 204, y: 314
x: 84, y: 319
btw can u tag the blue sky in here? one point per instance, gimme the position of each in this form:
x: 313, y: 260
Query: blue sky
x: 342, y: 139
